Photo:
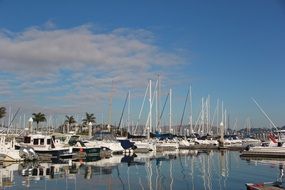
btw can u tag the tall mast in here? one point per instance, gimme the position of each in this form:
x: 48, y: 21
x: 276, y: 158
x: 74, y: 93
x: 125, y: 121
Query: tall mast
x: 226, y: 121
x: 156, y: 110
x: 203, y: 117
x: 181, y: 121
x: 222, y: 122
x: 191, y: 117
x: 208, y: 114
x: 158, y: 100
x: 102, y: 120
x: 142, y: 106
x: 24, y: 121
x: 110, y: 106
x: 170, y: 112
x: 218, y: 107
x: 150, y: 108
x: 129, y: 110
x: 10, y: 116
x: 223, y: 111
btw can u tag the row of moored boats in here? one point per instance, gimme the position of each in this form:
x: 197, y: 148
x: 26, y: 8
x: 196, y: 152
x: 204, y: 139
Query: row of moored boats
x: 103, y: 144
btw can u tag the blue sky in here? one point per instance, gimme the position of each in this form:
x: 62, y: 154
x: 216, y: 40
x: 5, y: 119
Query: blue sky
x: 59, y: 57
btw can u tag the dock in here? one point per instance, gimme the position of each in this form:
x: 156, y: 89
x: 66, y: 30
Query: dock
x: 199, y: 146
x: 263, y: 154
x: 265, y: 186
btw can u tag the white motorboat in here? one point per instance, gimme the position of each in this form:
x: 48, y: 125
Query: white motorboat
x: 185, y: 143
x: 211, y: 142
x: 9, y: 152
x: 114, y: 146
x: 232, y: 141
x: 105, y: 139
x: 167, y: 144
x: 274, y: 149
x: 250, y: 142
x: 46, y: 145
x: 144, y: 145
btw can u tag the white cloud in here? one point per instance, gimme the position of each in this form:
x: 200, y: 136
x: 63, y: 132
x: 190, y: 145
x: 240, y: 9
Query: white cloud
x: 74, y: 67
x: 49, y: 25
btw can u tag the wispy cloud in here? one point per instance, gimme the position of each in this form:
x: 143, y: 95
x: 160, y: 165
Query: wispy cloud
x: 74, y: 67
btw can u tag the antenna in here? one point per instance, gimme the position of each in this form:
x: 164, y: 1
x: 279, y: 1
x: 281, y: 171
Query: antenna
x: 271, y: 122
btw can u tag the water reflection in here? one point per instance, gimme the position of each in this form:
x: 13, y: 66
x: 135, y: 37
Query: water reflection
x: 187, y: 169
x: 7, y: 174
x: 272, y: 163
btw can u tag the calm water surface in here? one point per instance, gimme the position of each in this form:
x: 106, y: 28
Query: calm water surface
x: 168, y: 170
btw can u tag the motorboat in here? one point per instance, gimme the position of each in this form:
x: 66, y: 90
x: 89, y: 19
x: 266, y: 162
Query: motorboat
x: 46, y: 146
x: 9, y: 152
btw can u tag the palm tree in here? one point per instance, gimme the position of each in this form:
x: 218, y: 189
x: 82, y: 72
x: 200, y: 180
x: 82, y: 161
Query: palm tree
x: 39, y: 117
x: 2, y: 112
x: 89, y: 118
x: 69, y: 120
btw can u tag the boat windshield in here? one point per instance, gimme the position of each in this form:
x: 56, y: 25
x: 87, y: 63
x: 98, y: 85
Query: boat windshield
x: 73, y: 140
x: 103, y: 135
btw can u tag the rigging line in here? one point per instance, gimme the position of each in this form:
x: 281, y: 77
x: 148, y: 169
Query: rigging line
x: 196, y: 127
x: 181, y: 121
x: 14, y: 117
x: 141, y: 108
x: 13, y: 120
x: 264, y: 113
x: 163, y: 109
x: 215, y: 114
x: 123, y: 110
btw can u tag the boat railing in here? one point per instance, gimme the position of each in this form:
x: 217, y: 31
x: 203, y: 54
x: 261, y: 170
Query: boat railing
x: 17, y: 132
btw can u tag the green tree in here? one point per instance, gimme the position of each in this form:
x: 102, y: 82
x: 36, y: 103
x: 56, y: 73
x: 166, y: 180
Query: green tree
x: 89, y: 118
x: 2, y: 112
x: 39, y: 117
x: 69, y: 120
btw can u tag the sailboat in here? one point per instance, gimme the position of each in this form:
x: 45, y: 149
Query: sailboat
x: 144, y: 143
x: 167, y: 141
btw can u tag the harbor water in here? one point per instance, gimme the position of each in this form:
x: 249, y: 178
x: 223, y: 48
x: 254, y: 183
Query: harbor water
x: 183, y: 169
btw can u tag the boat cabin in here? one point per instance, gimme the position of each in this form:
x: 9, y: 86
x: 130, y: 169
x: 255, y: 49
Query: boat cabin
x: 40, y: 140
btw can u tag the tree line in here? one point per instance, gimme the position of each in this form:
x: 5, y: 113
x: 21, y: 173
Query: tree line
x: 41, y: 117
